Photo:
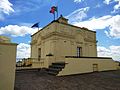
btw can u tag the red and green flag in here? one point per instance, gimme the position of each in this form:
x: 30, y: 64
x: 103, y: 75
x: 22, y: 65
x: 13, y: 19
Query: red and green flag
x: 53, y: 9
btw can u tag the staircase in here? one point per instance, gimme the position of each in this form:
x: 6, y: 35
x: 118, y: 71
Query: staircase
x: 55, y: 68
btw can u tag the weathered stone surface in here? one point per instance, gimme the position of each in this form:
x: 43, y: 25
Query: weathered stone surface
x: 40, y: 80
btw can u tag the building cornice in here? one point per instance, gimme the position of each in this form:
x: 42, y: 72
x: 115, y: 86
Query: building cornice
x: 8, y: 44
x: 33, y: 42
x: 83, y: 28
x: 89, y: 40
x: 58, y: 34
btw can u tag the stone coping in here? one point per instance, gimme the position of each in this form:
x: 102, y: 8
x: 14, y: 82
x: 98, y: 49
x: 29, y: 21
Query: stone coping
x: 8, y: 44
x: 88, y: 57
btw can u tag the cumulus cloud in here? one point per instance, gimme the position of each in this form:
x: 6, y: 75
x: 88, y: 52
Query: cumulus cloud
x: 95, y: 23
x: 116, y: 7
x: 6, y: 6
x: 107, y: 1
x: 15, y: 30
x: 23, y: 50
x: 114, y: 27
x: 102, y: 51
x: 98, y: 6
x: 112, y: 51
x: 77, y: 1
x: 78, y: 15
x: 108, y: 21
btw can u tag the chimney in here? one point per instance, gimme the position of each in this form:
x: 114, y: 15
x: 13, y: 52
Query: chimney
x: 61, y: 19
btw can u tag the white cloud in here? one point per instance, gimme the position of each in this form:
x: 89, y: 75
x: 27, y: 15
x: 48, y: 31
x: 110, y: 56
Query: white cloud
x: 23, y: 50
x: 78, y: 15
x: 102, y: 51
x: 77, y: 1
x: 107, y: 1
x: 108, y: 21
x: 112, y: 51
x: 95, y: 23
x: 6, y: 6
x: 15, y: 30
x: 116, y: 7
x: 114, y: 27
x: 98, y: 6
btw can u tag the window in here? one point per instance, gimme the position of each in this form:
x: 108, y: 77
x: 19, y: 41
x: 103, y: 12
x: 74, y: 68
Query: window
x: 79, y: 51
x: 39, y: 53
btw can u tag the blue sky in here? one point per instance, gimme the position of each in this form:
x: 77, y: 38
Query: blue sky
x: 102, y: 16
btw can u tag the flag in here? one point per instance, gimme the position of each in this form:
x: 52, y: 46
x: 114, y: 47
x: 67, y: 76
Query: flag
x: 35, y: 25
x: 53, y: 9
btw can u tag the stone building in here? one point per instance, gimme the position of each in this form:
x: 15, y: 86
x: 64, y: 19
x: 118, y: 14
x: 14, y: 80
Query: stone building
x: 72, y: 46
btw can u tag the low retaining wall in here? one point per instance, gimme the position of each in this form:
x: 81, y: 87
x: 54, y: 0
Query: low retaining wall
x: 86, y: 65
x: 38, y: 64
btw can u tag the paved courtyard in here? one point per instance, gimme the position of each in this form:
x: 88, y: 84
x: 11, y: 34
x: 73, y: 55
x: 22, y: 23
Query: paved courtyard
x: 40, y: 80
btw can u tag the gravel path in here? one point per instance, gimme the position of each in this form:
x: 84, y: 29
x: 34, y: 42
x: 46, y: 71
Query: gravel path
x: 40, y: 80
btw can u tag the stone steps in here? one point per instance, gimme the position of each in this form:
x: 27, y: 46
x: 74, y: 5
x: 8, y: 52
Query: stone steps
x: 55, y: 68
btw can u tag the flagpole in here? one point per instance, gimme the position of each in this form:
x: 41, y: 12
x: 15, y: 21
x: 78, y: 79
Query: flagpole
x: 54, y: 15
x: 38, y: 26
x: 57, y: 12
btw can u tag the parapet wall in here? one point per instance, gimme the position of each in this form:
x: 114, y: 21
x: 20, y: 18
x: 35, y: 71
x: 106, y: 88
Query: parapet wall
x: 4, y: 39
x: 7, y: 64
x: 86, y: 65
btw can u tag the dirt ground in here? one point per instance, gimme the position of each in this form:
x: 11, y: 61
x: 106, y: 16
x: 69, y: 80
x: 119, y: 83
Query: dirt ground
x: 40, y: 80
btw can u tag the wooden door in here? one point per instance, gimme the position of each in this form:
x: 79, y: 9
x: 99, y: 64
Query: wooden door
x: 95, y: 67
